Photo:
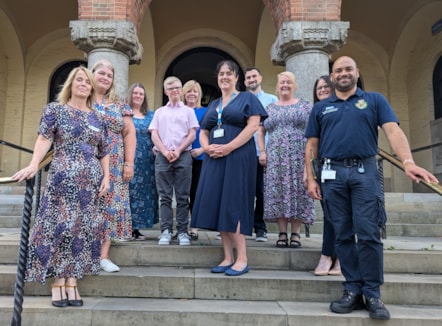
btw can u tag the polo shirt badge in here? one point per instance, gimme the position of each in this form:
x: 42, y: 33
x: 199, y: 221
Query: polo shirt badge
x: 361, y: 104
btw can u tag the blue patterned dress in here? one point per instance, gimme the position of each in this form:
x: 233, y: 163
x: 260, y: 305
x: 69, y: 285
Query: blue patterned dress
x: 284, y: 193
x: 116, y: 207
x: 66, y: 238
x: 142, y: 188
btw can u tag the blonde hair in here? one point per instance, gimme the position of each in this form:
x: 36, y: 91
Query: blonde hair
x: 66, y: 91
x: 111, y: 93
x: 171, y: 80
x: 188, y: 86
x: 290, y: 75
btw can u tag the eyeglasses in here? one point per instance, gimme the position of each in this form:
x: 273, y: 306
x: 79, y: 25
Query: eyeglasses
x: 322, y: 87
x: 173, y: 89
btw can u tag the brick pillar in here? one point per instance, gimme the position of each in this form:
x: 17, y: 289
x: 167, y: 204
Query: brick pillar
x: 304, y: 47
x: 113, y: 40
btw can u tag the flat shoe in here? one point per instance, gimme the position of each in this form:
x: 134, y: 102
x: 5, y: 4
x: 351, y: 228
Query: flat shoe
x: 220, y: 269
x: 232, y: 272
x: 76, y: 302
x: 60, y: 303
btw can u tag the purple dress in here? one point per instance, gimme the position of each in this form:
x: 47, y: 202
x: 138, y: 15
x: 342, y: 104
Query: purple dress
x: 66, y: 238
x: 284, y: 193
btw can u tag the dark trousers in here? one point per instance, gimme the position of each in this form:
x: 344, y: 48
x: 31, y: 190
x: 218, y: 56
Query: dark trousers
x: 170, y: 177
x: 328, y: 236
x: 196, y: 171
x: 259, y: 224
x: 354, y: 205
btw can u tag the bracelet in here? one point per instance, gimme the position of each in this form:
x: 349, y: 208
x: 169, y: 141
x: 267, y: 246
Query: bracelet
x: 408, y: 160
x: 129, y: 165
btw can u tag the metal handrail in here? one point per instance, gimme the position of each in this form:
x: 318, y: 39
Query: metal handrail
x: 24, y: 236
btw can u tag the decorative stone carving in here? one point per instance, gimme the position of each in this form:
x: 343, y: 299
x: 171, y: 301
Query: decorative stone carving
x: 294, y: 37
x: 120, y: 36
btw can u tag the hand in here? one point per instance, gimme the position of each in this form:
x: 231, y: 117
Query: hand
x: 196, y: 152
x: 414, y: 172
x: 128, y: 172
x: 218, y: 150
x: 262, y: 159
x: 26, y: 173
x: 104, y: 187
x: 314, y: 190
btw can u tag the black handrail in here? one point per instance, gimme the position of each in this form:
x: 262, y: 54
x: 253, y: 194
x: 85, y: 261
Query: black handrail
x: 3, y: 142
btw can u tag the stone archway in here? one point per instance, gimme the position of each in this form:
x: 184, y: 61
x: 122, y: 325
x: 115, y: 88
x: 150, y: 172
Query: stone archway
x: 199, y: 64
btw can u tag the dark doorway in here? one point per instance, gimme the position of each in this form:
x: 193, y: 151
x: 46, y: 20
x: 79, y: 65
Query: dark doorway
x: 200, y: 64
x: 59, y: 77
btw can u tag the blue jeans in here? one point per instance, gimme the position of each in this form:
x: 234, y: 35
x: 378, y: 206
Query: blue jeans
x: 169, y: 177
x: 354, y: 205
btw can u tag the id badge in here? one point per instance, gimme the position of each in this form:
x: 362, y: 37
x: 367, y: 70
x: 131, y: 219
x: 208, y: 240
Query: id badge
x: 328, y: 175
x: 218, y: 133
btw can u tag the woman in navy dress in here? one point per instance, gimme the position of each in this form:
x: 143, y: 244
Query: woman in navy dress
x: 226, y: 189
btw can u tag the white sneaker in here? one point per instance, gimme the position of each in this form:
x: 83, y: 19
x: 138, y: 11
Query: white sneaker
x: 164, y: 238
x: 108, y: 266
x: 183, y: 239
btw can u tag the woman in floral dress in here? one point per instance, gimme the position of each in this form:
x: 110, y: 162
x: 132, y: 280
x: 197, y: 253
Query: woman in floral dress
x: 65, y: 241
x: 285, y: 197
x: 142, y: 189
x: 122, y: 142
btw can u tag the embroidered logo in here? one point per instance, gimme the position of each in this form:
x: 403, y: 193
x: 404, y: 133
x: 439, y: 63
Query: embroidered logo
x: 361, y: 104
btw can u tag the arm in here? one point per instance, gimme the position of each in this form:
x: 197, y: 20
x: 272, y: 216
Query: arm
x: 130, y: 142
x: 41, y: 147
x: 311, y: 150
x: 399, y: 143
x: 261, y: 146
x: 243, y: 137
x: 105, y: 184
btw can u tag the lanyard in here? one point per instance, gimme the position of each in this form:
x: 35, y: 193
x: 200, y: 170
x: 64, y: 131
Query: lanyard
x: 220, y: 108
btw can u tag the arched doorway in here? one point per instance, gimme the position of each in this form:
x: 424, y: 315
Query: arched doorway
x: 200, y: 64
x: 59, y: 77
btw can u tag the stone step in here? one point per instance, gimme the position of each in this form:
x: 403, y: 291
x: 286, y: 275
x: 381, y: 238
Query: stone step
x: 98, y: 311
x: 257, y: 285
x: 401, y: 254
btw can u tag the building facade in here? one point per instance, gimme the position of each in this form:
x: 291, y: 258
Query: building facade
x: 396, y: 43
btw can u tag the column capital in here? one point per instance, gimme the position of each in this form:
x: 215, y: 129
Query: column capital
x: 294, y: 37
x: 88, y: 35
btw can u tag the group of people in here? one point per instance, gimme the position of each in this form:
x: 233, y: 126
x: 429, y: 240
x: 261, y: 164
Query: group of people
x: 243, y: 161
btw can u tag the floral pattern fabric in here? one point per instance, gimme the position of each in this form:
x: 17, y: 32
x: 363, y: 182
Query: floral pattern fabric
x: 284, y: 193
x: 66, y: 238
x: 116, y: 206
x: 142, y: 188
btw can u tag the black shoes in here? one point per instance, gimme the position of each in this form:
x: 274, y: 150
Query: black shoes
x: 347, y: 303
x: 376, y: 309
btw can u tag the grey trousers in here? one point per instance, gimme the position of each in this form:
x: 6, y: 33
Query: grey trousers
x: 169, y: 177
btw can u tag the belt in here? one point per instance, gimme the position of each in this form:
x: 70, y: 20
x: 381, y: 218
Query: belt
x: 350, y: 161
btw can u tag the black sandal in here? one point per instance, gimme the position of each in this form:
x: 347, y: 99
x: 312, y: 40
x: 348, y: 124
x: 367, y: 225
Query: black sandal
x: 136, y: 235
x: 193, y: 236
x: 282, y: 243
x: 295, y: 243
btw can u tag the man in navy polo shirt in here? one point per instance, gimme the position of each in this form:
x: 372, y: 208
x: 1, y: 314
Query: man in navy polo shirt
x: 343, y: 134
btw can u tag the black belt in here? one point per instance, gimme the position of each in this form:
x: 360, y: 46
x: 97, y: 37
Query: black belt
x: 350, y: 162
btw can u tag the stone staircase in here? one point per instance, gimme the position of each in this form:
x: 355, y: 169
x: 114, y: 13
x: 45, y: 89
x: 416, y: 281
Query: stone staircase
x: 172, y: 285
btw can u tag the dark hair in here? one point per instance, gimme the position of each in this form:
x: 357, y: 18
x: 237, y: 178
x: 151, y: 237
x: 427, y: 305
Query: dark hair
x: 229, y: 63
x: 327, y: 80
x: 253, y: 68
x: 144, y: 105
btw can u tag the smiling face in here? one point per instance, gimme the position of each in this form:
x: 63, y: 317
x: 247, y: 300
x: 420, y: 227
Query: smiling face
x: 253, y: 80
x: 174, y: 90
x: 227, y: 79
x: 344, y: 74
x: 137, y: 97
x: 191, y: 97
x: 285, y: 87
x: 81, y: 85
x: 104, y: 77
x: 323, y: 90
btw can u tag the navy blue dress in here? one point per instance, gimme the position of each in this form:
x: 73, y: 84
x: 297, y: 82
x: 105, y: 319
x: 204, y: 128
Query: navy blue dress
x: 226, y: 189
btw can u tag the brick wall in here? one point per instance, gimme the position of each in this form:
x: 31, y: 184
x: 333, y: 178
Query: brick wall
x: 127, y: 10
x: 303, y: 10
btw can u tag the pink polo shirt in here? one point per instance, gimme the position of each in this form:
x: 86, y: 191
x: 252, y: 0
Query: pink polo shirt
x: 173, y: 123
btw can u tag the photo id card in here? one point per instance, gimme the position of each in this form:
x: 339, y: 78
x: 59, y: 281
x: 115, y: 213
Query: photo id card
x: 328, y: 175
x: 218, y: 133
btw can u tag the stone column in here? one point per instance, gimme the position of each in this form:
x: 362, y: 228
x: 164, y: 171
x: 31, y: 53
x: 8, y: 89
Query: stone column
x: 113, y: 40
x: 305, y: 47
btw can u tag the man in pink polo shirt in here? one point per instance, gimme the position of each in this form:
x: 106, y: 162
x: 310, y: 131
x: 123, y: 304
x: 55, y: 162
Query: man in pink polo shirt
x: 173, y: 130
